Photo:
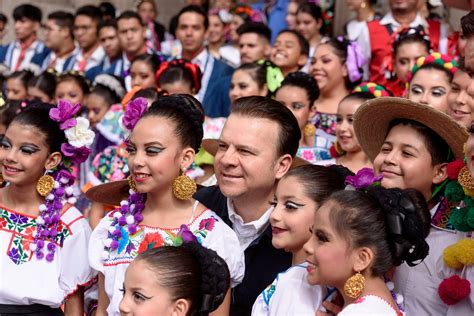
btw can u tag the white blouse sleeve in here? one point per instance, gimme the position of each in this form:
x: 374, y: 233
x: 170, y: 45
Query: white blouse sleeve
x: 96, y: 243
x: 261, y: 307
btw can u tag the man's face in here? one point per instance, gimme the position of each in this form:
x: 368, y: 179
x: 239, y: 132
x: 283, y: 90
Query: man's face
x: 191, y: 32
x: 131, y: 35
x: 54, y: 35
x: 253, y: 48
x: 109, y: 40
x: 85, y: 31
x: 25, y: 28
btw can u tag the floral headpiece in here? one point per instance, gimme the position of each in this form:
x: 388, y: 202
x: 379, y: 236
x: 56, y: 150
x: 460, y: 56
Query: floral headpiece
x: 247, y: 13
x: 434, y: 58
x: 224, y: 15
x: 372, y: 88
x: 364, y: 179
x: 184, y: 64
x: 355, y: 59
x: 133, y: 112
x: 110, y: 82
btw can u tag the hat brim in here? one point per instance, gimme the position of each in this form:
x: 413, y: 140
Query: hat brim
x: 211, y: 146
x: 372, y: 120
x: 110, y: 193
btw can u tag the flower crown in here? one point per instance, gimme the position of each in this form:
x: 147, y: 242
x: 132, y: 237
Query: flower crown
x: 372, y: 88
x: 110, y: 82
x: 434, y: 58
x: 364, y: 179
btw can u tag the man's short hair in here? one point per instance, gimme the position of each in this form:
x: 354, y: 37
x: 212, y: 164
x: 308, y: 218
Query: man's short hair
x: 266, y: 108
x: 127, y: 15
x: 107, y: 9
x: 107, y: 23
x: 255, y: 27
x: 304, y: 44
x: 467, y: 25
x: 63, y: 19
x: 90, y: 11
x: 194, y: 9
x: 3, y: 18
x: 27, y: 11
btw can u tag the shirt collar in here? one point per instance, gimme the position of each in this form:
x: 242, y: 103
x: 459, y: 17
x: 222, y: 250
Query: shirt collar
x: 32, y: 46
x: 259, y: 225
x: 389, y: 19
x: 201, y: 59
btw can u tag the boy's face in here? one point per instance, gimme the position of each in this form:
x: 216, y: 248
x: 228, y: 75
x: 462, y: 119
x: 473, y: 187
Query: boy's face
x: 25, y: 28
x: 286, y: 53
x: 85, y: 31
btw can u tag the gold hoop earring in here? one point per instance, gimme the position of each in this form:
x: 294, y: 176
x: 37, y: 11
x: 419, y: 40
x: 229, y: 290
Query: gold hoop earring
x: 309, y: 130
x: 184, y: 187
x: 355, y: 285
x: 132, y: 184
x: 45, y: 184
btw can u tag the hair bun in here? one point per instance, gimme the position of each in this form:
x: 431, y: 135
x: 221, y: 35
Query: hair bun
x: 405, y: 213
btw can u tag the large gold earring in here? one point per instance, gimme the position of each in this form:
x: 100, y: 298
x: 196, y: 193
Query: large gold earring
x: 132, y: 184
x: 184, y: 187
x: 355, y: 285
x: 309, y: 130
x: 45, y: 185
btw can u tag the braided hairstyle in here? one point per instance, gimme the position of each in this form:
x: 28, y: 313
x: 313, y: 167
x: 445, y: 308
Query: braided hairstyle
x: 179, y: 70
x: 186, y: 112
x: 190, y: 272
x: 392, y: 222
x: 304, y: 81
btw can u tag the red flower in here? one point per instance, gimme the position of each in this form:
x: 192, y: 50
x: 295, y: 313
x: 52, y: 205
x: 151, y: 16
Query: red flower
x: 3, y: 222
x: 207, y: 224
x: 454, y: 168
x: 454, y: 289
x: 151, y: 241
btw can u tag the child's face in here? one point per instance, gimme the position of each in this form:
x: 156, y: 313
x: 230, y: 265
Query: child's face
x: 70, y: 91
x: 296, y: 99
x: 406, y: 57
x: 216, y: 29
x: 243, y: 85
x: 307, y: 26
x: 142, y: 295
x: 327, y: 68
x: 36, y: 94
x: 344, y: 128
x: 430, y: 87
x: 405, y: 162
x: 15, y: 89
x: 96, y: 108
x: 330, y: 262
x: 236, y: 22
x: 459, y: 101
x: 142, y: 75
x: 292, y: 217
x: 291, y: 15
x: 286, y: 53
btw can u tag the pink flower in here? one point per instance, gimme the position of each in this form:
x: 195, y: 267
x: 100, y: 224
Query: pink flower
x: 134, y: 112
x: 64, y: 114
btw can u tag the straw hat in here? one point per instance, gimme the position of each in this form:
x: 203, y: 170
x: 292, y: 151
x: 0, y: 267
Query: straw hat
x: 110, y: 193
x: 372, y: 119
x: 211, y: 146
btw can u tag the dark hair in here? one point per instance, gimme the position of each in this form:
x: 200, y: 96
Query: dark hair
x: 127, y: 15
x: 409, y: 36
x: 107, y: 23
x: 467, y: 24
x: 257, y: 71
x: 152, y: 2
x: 315, y: 12
x: 9, y: 111
x: 320, y: 181
x: 435, y: 66
x: 45, y: 82
x: 107, y: 9
x: 435, y: 144
x: 265, y: 108
x: 304, y: 81
x: 190, y: 272
x: 23, y: 75
x: 152, y: 60
x: 258, y: 28
x: 79, y: 79
x: 304, y: 44
x: 110, y: 96
x: 186, y: 112
x: 359, y: 96
x: 178, y: 72
x: 462, y: 65
x: 37, y: 115
x: 27, y: 11
x: 148, y: 93
x: 392, y: 222
x: 193, y: 9
x: 90, y: 11
x: 63, y: 19
x: 3, y: 18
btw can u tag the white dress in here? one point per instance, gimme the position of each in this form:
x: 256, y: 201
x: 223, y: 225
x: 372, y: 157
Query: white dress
x: 370, y: 305
x: 209, y: 229
x: 26, y: 280
x: 290, y: 294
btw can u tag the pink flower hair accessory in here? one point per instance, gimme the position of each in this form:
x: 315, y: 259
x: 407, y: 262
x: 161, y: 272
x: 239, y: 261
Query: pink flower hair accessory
x: 133, y: 112
x: 364, y: 179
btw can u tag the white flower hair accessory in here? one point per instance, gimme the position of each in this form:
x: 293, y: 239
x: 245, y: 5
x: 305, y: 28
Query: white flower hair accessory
x: 110, y: 82
x: 80, y: 135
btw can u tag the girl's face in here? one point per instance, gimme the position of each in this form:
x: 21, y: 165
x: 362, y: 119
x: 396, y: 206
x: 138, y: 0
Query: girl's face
x: 330, y: 261
x: 147, y: 12
x: 243, y: 85
x: 459, y: 101
x: 70, y: 91
x: 96, y: 108
x: 142, y: 295
x: 462, y: 40
x: 178, y: 87
x: 155, y: 156
x: 327, y: 68
x: 405, y: 162
x: 24, y: 154
x: 293, y: 215
x: 307, y: 26
x: 344, y: 128
x: 406, y: 57
x: 142, y: 75
x: 236, y: 22
x: 15, y: 89
x: 291, y: 15
x: 215, y: 32
x: 36, y: 94
x: 430, y: 87
x: 296, y: 99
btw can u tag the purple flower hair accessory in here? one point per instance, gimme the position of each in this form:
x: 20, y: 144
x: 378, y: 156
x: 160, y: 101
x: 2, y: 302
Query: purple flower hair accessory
x: 186, y: 234
x: 64, y: 114
x: 76, y: 154
x: 133, y: 112
x: 364, y: 179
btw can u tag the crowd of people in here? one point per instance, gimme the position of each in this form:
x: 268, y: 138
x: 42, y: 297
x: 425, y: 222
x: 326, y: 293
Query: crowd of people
x: 241, y: 161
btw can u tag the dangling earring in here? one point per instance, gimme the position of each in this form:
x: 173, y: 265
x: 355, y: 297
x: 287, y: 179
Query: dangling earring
x: 45, y: 184
x: 309, y: 130
x: 355, y: 285
x: 132, y: 184
x: 184, y: 187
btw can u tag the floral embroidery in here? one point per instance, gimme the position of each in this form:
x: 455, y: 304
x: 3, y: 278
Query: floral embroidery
x: 326, y: 122
x: 207, y: 224
x: 153, y: 240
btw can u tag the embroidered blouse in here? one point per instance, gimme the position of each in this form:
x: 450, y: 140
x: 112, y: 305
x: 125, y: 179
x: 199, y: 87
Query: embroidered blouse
x: 209, y: 229
x: 26, y: 280
x: 370, y: 305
